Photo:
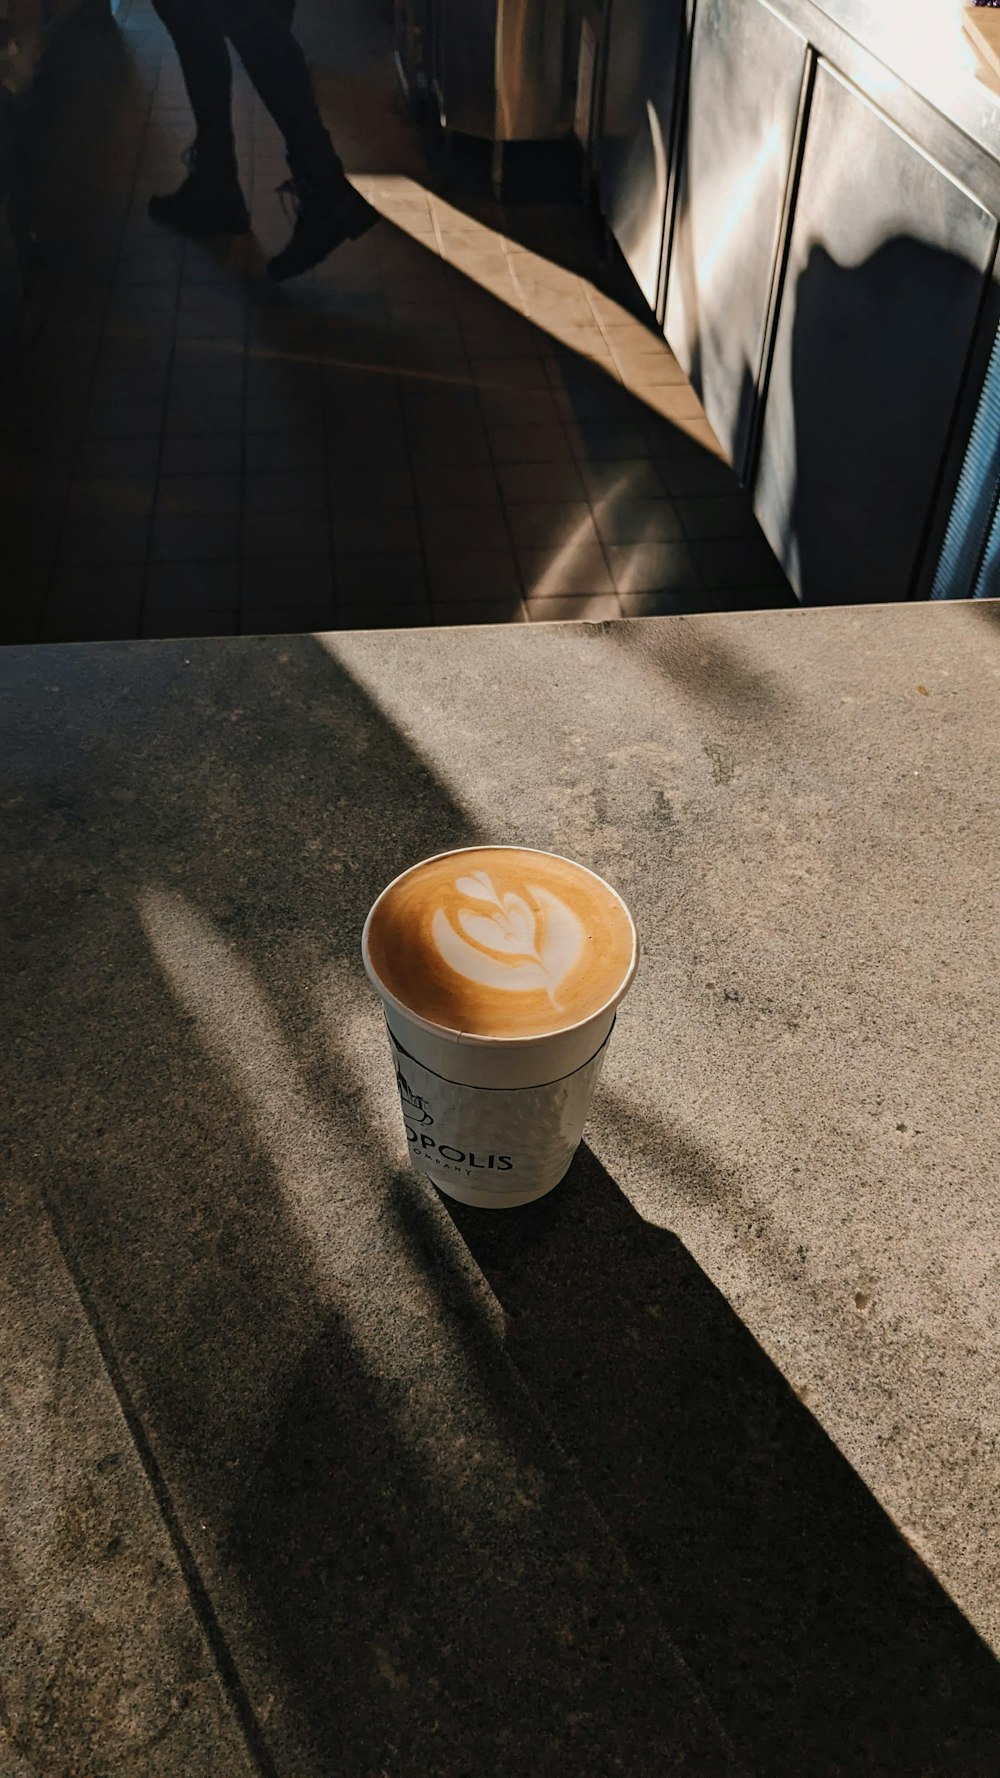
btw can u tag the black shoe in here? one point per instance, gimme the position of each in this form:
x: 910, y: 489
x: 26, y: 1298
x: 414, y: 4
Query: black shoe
x: 209, y: 202
x: 327, y: 214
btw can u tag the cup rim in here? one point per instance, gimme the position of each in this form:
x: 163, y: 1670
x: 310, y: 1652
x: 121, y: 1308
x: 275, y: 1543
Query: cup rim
x: 448, y: 1032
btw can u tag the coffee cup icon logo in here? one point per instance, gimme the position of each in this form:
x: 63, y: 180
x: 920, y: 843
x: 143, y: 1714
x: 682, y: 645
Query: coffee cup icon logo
x: 500, y: 970
x: 415, y: 1108
x: 519, y: 943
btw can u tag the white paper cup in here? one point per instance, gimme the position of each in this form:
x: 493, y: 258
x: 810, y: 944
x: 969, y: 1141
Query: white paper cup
x: 495, y: 1121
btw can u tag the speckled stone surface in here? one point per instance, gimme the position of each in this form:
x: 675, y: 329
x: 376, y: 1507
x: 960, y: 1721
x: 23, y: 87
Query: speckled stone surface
x: 104, y: 1667
x: 692, y: 1466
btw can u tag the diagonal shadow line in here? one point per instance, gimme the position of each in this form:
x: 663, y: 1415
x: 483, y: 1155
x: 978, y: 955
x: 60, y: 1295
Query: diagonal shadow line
x: 219, y: 1644
x: 374, y: 1522
x: 593, y: 402
x: 708, y: 666
x: 410, y: 399
x: 822, y: 1640
x: 794, y: 1602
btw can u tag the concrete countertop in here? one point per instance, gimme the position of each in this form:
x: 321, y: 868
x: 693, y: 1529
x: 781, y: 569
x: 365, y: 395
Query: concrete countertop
x: 691, y: 1467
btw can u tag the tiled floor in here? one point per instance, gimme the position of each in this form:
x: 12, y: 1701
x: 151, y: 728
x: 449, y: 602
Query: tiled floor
x: 458, y: 418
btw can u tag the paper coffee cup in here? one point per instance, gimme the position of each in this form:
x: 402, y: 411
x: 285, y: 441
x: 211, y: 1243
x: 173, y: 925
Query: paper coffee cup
x: 500, y: 971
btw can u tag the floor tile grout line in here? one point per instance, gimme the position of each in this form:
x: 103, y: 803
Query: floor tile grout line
x: 418, y: 504
x: 586, y: 285
x: 411, y: 462
x: 60, y: 528
x: 603, y: 328
x: 331, y: 529
x: 241, y: 560
x: 518, y: 571
x: 604, y: 546
x: 523, y: 288
x: 165, y: 395
x: 522, y: 603
x: 161, y: 444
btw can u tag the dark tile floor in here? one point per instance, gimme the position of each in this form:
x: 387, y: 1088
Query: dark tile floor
x: 462, y: 417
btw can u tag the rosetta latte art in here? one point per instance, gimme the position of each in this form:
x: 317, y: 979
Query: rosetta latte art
x: 500, y: 942
x: 515, y: 946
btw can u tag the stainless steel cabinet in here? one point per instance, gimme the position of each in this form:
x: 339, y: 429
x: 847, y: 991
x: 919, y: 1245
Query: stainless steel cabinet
x: 465, y: 73
x: 747, y: 71
x: 887, y: 264
x: 644, y: 60
x: 505, y: 68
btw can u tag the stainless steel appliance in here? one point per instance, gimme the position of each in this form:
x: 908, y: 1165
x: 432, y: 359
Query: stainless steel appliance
x: 830, y: 278
x: 888, y: 260
x: 646, y: 54
x: 505, y: 70
x: 736, y: 150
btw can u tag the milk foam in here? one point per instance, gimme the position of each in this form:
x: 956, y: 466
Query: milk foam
x: 487, y: 942
x: 515, y: 948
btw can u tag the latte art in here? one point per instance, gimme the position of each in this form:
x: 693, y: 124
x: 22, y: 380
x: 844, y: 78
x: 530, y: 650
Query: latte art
x: 501, y: 941
x: 516, y: 947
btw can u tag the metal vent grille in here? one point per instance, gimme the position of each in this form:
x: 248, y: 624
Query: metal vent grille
x: 969, y: 566
x: 988, y: 578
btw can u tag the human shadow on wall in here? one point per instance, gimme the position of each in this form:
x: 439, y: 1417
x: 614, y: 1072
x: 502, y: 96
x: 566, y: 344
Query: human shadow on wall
x: 821, y: 1639
x: 854, y: 445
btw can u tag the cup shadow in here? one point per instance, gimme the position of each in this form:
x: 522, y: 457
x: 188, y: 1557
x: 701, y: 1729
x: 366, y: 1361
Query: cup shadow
x: 422, y: 1610
x: 390, y: 1562
x: 822, y: 1641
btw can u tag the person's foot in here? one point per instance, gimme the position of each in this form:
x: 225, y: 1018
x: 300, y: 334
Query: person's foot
x: 209, y: 202
x: 328, y: 212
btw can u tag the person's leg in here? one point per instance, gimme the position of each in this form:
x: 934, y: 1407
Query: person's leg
x: 208, y: 73
x: 210, y: 199
x: 261, y: 33
x: 329, y: 210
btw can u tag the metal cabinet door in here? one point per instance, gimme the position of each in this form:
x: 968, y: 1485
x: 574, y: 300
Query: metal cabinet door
x: 644, y: 56
x: 536, y: 74
x: 747, y: 71
x: 887, y: 264
x: 505, y: 68
x: 465, y: 63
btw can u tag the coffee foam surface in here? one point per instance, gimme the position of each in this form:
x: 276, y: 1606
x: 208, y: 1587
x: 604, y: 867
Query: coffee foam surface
x: 501, y: 942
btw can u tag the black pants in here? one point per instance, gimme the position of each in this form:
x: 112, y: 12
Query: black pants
x: 261, y: 33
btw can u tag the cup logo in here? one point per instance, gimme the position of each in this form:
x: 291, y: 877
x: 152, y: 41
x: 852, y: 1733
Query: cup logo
x: 516, y: 946
x: 414, y: 1107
